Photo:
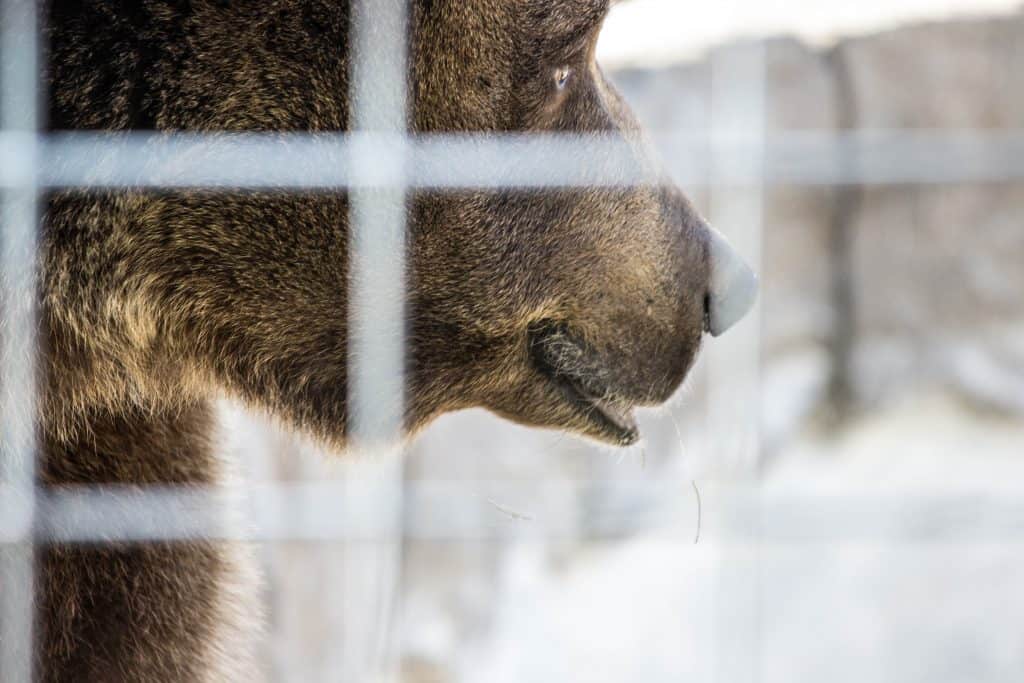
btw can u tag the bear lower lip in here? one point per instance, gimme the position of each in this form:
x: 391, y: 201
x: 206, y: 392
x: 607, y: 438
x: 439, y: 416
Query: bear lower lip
x: 606, y: 416
x: 621, y: 421
x: 613, y: 420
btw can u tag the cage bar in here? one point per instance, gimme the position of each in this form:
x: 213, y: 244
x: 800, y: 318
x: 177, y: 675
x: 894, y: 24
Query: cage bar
x: 733, y: 437
x: 376, y: 335
x: 464, y: 510
x: 18, y: 119
x: 367, y: 160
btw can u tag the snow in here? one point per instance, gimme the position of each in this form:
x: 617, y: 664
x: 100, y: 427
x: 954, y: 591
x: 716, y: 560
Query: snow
x: 889, y: 580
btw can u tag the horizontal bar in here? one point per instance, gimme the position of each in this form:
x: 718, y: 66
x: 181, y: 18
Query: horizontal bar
x: 478, y: 510
x: 368, y: 160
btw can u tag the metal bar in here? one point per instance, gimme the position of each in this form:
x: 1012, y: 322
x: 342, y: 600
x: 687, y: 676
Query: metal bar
x: 738, y: 91
x: 18, y: 219
x: 370, y: 160
x: 447, y: 510
x: 376, y: 334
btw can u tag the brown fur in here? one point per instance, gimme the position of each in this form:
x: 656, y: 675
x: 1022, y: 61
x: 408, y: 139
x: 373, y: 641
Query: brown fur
x: 142, y: 611
x: 152, y: 302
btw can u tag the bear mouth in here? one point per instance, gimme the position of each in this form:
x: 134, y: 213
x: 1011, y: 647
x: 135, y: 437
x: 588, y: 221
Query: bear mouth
x: 610, y: 418
x: 566, y: 364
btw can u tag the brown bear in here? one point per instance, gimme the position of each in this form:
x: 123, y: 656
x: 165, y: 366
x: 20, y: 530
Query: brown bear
x: 562, y: 308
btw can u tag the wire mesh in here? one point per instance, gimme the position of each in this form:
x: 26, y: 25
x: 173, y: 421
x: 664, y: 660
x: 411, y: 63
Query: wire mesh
x: 379, y: 164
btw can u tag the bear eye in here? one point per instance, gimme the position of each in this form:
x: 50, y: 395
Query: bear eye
x: 562, y: 75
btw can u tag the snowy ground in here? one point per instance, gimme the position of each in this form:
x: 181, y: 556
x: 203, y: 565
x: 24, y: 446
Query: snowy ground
x: 891, y: 553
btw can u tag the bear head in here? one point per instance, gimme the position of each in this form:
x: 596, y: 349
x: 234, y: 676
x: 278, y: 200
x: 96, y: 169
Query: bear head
x: 567, y: 308
x: 559, y: 307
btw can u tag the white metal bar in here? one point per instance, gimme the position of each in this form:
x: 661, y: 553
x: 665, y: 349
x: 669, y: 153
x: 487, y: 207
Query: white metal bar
x: 738, y: 91
x: 376, y: 334
x: 448, y: 510
x: 368, y: 159
x: 18, y: 219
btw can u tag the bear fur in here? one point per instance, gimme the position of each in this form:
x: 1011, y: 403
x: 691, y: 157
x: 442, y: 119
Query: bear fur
x: 563, y: 308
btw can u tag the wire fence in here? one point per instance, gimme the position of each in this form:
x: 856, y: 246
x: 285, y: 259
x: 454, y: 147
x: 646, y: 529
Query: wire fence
x: 379, y: 164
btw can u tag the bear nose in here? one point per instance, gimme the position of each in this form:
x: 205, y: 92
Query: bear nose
x: 732, y: 287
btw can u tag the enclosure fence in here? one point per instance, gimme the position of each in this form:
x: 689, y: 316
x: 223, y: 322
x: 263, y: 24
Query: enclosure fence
x: 379, y: 163
x: 18, y: 116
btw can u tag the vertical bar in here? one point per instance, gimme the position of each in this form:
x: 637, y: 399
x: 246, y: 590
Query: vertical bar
x: 376, y: 332
x: 734, y: 399
x: 18, y: 216
x: 377, y: 226
x: 738, y: 122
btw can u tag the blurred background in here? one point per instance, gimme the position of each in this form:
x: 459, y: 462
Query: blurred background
x: 836, y: 494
